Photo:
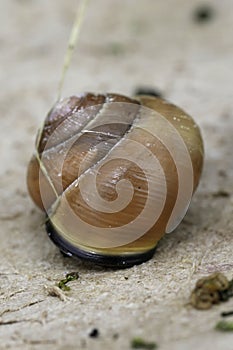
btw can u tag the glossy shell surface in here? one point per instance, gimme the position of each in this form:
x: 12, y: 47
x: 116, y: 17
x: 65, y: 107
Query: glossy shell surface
x: 114, y: 174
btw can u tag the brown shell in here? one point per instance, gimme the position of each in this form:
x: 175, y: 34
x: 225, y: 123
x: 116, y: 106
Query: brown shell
x: 76, y: 146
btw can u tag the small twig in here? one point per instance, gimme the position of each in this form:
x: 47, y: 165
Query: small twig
x: 68, y: 55
x: 227, y: 313
x: 71, y: 44
x: 6, y: 323
x: 39, y: 342
x: 12, y: 216
x: 54, y: 291
x: 21, y: 307
x: 221, y: 193
x: 4, y: 296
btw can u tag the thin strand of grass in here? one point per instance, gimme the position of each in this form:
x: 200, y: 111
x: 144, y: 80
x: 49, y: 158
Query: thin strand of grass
x: 74, y: 35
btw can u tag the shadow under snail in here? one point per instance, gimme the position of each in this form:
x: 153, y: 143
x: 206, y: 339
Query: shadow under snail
x: 114, y: 174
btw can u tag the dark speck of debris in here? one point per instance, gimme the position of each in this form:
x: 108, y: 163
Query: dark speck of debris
x: 222, y: 173
x: 227, y: 293
x: 203, y: 13
x: 145, y: 90
x: 221, y: 193
x: 94, y: 333
x: 138, y: 343
x: 227, y: 313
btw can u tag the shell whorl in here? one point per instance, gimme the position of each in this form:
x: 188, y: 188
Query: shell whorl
x: 116, y: 172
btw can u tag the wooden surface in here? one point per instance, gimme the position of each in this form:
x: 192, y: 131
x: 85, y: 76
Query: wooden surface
x: 123, y: 44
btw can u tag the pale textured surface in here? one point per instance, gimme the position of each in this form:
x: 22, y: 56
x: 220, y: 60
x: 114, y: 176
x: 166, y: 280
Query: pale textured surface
x: 123, y: 44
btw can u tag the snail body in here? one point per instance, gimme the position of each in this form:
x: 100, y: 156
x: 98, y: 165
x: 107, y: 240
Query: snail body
x: 114, y: 174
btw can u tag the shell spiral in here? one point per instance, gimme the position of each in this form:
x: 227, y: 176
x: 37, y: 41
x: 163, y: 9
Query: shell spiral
x: 114, y: 174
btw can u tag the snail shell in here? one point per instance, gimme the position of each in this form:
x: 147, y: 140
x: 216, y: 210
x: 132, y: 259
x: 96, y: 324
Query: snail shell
x: 114, y: 174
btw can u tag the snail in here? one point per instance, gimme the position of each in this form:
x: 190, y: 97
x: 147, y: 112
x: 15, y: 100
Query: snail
x: 114, y: 174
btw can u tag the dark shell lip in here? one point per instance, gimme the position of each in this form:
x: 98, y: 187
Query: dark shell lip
x: 117, y: 261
